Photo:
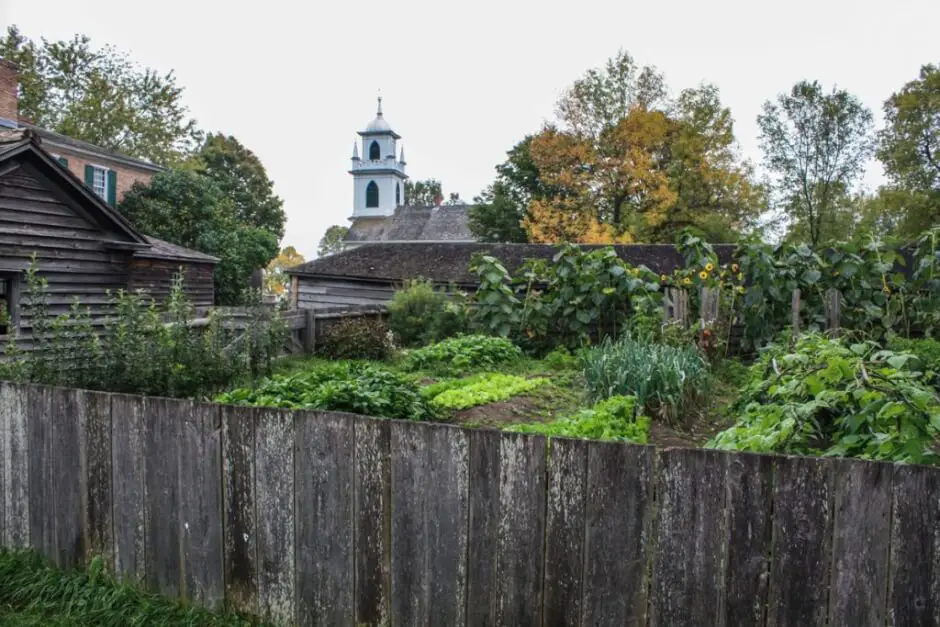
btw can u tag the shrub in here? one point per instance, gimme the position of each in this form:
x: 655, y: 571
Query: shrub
x: 356, y: 338
x: 479, y: 390
x: 612, y: 419
x: 419, y: 315
x: 666, y: 380
x: 927, y: 352
x: 830, y: 397
x: 353, y: 387
x: 463, y: 354
x: 560, y: 360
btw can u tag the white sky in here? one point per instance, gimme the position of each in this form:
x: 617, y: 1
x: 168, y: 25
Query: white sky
x: 463, y: 82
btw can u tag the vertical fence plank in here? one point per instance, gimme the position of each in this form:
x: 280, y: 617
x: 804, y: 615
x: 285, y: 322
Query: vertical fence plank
x: 619, y: 511
x: 95, y: 475
x: 914, y: 577
x: 448, y: 468
x: 483, y: 527
x: 860, y: 542
x: 564, y: 531
x: 795, y: 314
x: 688, y: 574
x: 324, y: 469
x: 521, y: 529
x: 41, y: 482
x: 430, y: 468
x: 15, y: 445
x: 802, y: 542
x: 161, y: 451
x: 238, y: 489
x: 7, y: 393
x: 128, y: 515
x: 66, y: 486
x: 201, y: 505
x: 274, y: 496
x: 749, y: 502
x: 833, y: 308
x: 372, y: 522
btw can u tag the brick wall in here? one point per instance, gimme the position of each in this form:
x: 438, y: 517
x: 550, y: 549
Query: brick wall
x: 126, y: 175
x: 9, y: 79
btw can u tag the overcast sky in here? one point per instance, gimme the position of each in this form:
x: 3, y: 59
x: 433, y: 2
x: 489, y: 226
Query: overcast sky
x: 462, y: 82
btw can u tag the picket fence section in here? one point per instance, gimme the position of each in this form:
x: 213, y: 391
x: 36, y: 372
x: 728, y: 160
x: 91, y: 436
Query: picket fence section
x: 324, y: 518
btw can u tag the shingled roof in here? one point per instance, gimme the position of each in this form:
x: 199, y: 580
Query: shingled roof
x: 445, y: 223
x: 450, y: 262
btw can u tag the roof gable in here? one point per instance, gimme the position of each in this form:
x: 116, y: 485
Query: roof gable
x: 25, y: 158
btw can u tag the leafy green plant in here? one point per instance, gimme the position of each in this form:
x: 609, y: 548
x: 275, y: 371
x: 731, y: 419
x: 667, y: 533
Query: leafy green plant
x: 480, y: 389
x: 344, y: 386
x: 463, y: 354
x: 561, y: 359
x: 666, y: 380
x: 927, y: 352
x: 33, y: 592
x: 830, y: 397
x: 611, y: 419
x: 356, y: 338
x: 418, y: 314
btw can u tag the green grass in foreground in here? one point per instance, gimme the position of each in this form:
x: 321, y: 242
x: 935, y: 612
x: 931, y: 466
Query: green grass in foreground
x: 32, y: 592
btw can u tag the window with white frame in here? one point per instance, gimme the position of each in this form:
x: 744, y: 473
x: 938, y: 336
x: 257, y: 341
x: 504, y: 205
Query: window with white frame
x: 99, y: 181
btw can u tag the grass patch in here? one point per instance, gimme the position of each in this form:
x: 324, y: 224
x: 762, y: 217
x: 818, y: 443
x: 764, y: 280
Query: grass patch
x: 32, y: 592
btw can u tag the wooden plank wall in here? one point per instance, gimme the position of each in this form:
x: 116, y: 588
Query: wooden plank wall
x: 155, y: 276
x: 323, y: 518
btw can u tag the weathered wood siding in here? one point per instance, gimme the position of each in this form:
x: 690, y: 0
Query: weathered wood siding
x: 155, y: 276
x: 331, y: 293
x: 35, y: 218
x: 326, y: 518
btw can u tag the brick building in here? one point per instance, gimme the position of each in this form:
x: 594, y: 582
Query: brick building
x: 108, y: 173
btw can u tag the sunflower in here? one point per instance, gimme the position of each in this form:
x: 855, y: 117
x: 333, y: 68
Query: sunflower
x: 686, y: 281
x: 740, y: 276
x: 703, y: 275
x: 709, y: 267
x: 740, y: 289
x: 734, y: 267
x: 663, y: 278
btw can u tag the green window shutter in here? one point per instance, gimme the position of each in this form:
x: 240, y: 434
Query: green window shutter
x: 89, y: 176
x: 64, y: 161
x: 112, y: 188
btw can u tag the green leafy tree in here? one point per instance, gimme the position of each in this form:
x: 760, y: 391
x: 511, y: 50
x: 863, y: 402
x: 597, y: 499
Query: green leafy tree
x: 189, y: 209
x: 100, y: 96
x: 909, y: 148
x: 332, y: 240
x: 423, y: 193
x: 816, y: 145
x: 240, y: 175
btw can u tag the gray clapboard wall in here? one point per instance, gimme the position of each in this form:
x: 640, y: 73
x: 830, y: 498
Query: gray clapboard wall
x: 317, y: 518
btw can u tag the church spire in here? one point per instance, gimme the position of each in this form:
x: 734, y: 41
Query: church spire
x: 355, y: 151
x: 401, y: 159
x: 378, y: 113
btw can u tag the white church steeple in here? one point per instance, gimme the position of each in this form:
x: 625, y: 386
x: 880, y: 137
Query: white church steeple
x: 378, y: 177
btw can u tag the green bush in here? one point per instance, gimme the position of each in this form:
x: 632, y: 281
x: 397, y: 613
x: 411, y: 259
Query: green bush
x: 612, y: 419
x: 347, y: 386
x: 560, y: 360
x: 356, y: 338
x: 140, y: 348
x: 927, y: 351
x: 830, y: 397
x: 479, y: 389
x: 419, y: 314
x: 464, y: 354
x: 666, y: 380
x: 33, y: 592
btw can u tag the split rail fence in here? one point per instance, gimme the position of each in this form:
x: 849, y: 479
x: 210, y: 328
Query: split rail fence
x: 332, y: 519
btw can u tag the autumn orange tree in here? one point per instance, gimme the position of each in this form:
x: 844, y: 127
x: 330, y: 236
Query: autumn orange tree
x: 627, y: 164
x: 275, y: 281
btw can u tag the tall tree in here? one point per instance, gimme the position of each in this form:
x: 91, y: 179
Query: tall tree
x: 909, y: 148
x: 100, y: 96
x: 242, y: 178
x: 189, y: 209
x: 423, y: 193
x: 275, y: 281
x: 816, y: 145
x: 332, y: 240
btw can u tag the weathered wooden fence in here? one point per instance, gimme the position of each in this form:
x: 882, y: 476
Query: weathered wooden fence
x: 323, y: 518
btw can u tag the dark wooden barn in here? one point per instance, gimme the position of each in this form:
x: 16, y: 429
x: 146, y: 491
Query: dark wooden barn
x: 369, y: 275
x: 83, y: 247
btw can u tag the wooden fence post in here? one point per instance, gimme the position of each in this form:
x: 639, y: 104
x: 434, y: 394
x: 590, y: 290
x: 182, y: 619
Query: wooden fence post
x: 795, y: 316
x: 310, y: 332
x: 708, y: 309
x: 833, y: 307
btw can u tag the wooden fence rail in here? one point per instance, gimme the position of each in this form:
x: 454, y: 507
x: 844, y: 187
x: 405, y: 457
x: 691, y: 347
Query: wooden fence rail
x: 325, y: 518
